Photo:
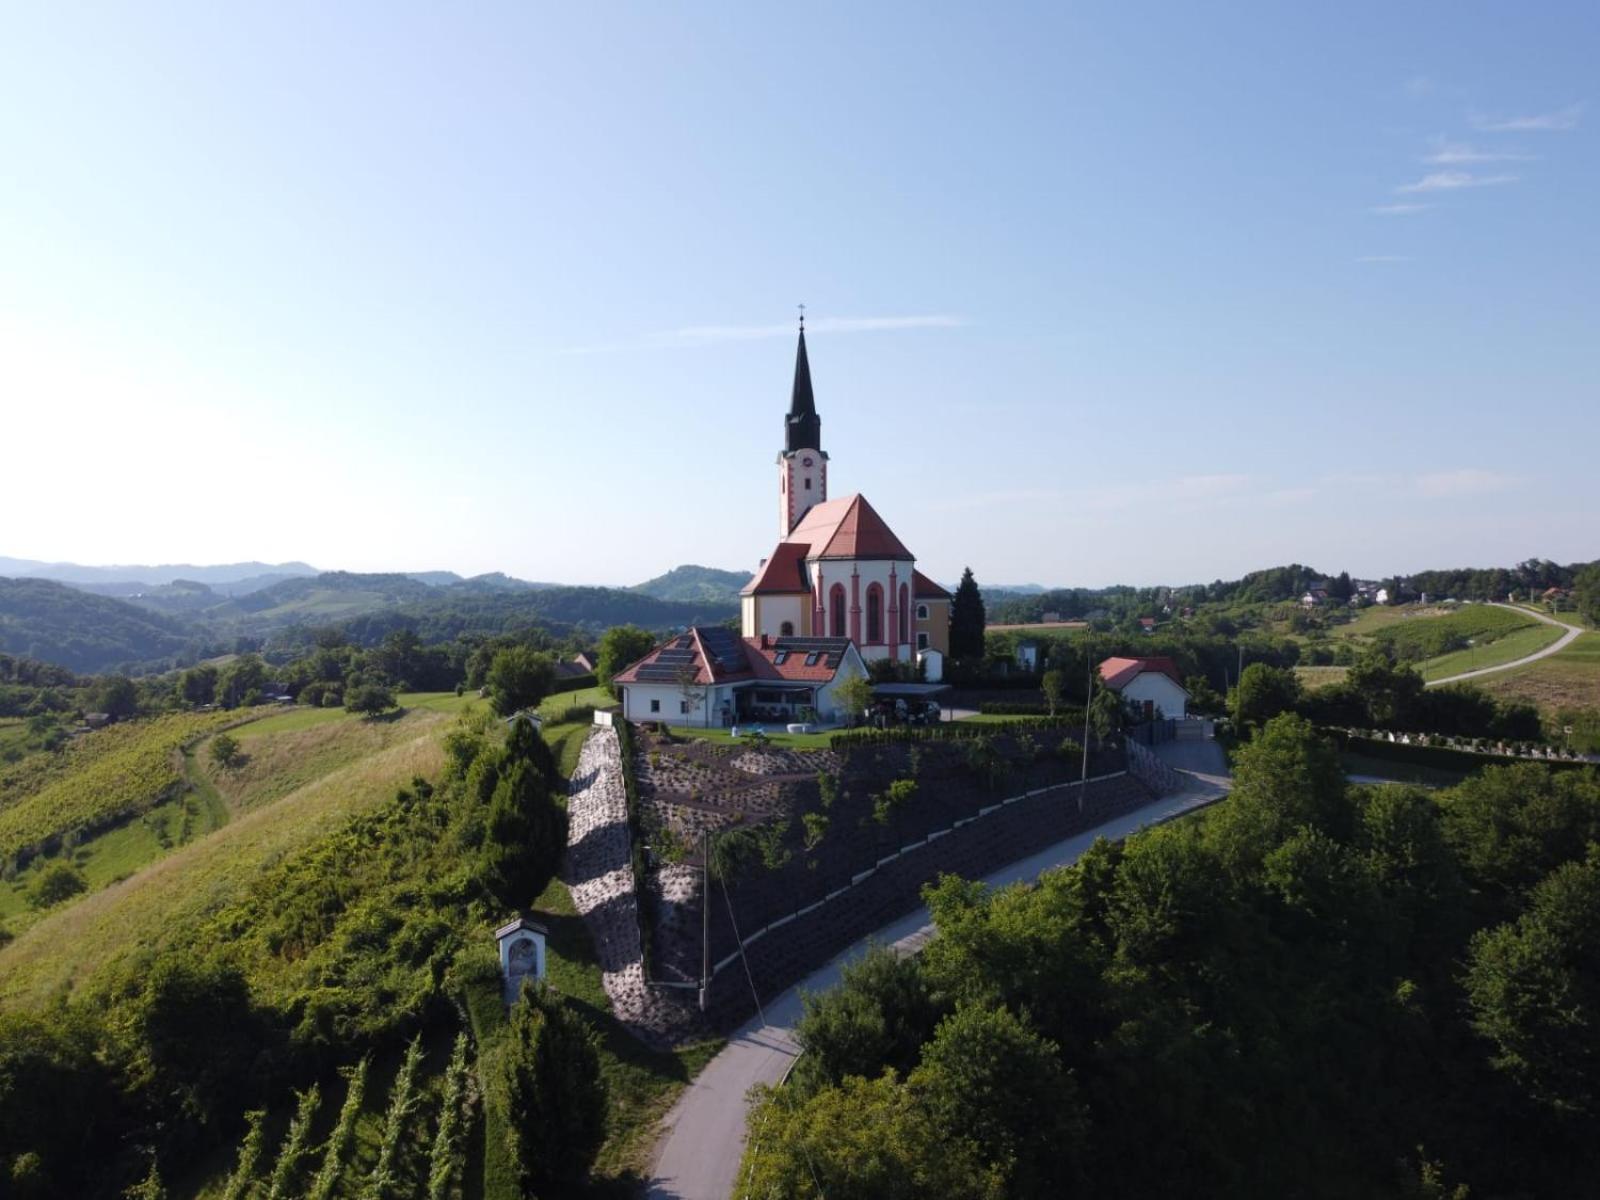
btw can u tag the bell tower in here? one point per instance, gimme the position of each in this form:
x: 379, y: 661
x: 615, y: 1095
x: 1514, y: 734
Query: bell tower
x: 802, y: 465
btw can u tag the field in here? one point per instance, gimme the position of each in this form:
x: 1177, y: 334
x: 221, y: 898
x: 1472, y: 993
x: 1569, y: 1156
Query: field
x: 1570, y: 679
x: 1312, y: 678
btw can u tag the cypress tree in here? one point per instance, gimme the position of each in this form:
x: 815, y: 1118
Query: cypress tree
x: 555, y: 1098
x: 967, y: 619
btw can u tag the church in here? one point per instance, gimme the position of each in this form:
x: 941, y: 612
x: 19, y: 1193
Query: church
x: 839, y: 590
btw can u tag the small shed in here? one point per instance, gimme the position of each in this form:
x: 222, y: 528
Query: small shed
x: 521, y: 945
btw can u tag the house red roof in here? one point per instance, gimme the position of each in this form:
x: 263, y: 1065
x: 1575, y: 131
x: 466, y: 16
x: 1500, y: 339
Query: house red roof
x: 804, y: 660
x: 923, y: 588
x: 1118, y: 673
x: 848, y: 528
x: 716, y: 655
x: 782, y: 574
x: 712, y: 654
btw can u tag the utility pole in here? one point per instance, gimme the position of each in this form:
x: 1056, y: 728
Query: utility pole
x: 705, y: 919
x: 1088, y: 699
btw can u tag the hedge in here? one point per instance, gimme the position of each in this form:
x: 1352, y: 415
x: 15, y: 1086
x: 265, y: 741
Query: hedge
x: 573, y: 683
x: 946, y: 731
x: 643, y: 903
x: 1027, y: 708
x: 1441, y: 757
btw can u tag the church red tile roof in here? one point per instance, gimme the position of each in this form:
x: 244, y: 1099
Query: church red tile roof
x: 1118, y: 673
x: 924, y: 588
x: 782, y: 574
x: 848, y: 528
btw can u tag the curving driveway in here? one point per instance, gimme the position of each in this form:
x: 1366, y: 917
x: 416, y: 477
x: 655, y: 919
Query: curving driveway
x: 703, y: 1136
x: 1555, y: 647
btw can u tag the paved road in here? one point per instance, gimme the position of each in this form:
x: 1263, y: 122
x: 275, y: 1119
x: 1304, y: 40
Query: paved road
x: 1555, y: 647
x: 703, y: 1136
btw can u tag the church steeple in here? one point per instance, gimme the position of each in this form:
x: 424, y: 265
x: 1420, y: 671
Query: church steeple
x: 802, y: 427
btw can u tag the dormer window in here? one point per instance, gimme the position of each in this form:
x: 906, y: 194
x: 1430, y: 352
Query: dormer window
x: 781, y: 657
x: 811, y: 659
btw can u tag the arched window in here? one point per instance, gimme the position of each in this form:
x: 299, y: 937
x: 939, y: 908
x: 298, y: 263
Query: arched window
x: 874, y: 615
x: 836, y: 610
x: 786, y: 629
x: 905, y: 614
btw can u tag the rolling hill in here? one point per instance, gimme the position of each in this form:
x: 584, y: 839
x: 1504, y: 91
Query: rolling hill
x: 695, y: 584
x: 54, y: 623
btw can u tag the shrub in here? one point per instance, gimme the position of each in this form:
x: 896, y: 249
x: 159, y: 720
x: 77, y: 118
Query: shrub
x: 59, y: 881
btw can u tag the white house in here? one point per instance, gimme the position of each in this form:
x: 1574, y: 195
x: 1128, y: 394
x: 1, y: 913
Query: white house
x: 1152, y: 685
x: 709, y: 676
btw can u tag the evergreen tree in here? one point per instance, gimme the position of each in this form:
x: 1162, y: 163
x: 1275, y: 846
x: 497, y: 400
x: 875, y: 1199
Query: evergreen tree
x: 967, y: 619
x: 555, y: 1099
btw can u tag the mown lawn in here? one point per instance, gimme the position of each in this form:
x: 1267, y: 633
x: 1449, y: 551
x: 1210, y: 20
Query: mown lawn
x: 775, y: 736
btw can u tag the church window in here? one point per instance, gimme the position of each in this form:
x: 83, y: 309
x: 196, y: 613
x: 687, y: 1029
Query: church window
x: 905, y: 614
x: 836, y: 610
x: 808, y: 483
x: 874, y: 615
x: 786, y: 629
x: 922, y: 612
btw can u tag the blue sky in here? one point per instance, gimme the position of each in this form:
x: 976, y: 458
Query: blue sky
x: 1097, y: 294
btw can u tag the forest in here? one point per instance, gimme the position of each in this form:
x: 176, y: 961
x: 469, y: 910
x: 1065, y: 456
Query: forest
x: 1310, y: 990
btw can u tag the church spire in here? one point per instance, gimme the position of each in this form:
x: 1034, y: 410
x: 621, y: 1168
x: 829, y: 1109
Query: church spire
x: 802, y: 427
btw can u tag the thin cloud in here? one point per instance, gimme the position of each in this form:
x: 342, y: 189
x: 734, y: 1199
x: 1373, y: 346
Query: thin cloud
x: 709, y: 335
x: 1449, y: 154
x: 1398, y: 210
x: 1560, y: 120
x: 1469, y: 481
x: 1383, y: 258
x: 1448, y: 181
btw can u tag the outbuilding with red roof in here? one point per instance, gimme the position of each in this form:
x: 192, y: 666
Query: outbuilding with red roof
x: 1152, y: 685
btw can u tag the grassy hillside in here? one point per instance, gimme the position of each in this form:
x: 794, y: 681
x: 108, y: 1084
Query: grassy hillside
x: 59, y: 624
x: 167, y: 902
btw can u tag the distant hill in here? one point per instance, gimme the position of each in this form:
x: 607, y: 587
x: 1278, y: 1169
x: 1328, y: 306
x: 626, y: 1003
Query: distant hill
x: 225, y: 573
x: 695, y: 584
x: 49, y: 621
x: 434, y: 578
